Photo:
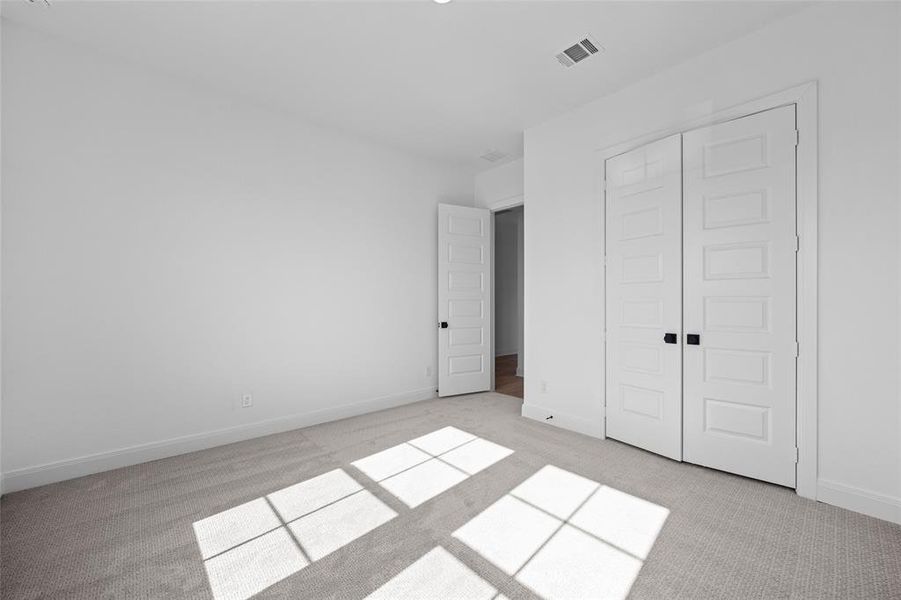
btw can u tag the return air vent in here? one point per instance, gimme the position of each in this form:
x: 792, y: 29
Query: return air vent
x: 579, y: 51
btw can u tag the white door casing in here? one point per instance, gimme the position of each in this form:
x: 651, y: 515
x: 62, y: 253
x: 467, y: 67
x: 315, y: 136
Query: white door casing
x: 644, y: 297
x: 740, y: 296
x: 464, y: 300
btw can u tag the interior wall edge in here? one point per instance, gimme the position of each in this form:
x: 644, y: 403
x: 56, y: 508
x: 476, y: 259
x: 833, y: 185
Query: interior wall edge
x: 859, y: 500
x: 34, y: 476
x: 867, y: 502
x: 586, y: 426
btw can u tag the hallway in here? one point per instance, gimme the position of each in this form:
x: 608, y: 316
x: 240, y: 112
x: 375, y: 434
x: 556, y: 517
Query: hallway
x: 505, y: 379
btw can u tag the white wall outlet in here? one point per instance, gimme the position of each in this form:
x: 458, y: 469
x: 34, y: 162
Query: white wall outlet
x: 544, y: 387
x: 246, y: 401
x: 428, y: 371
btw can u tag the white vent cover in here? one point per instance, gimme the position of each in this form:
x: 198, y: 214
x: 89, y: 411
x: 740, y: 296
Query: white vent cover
x: 579, y: 51
x: 493, y: 156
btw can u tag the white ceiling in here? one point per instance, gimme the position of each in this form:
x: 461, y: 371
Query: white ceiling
x: 447, y: 81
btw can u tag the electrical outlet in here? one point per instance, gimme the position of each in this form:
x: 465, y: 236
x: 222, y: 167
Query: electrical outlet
x: 246, y: 401
x: 428, y: 371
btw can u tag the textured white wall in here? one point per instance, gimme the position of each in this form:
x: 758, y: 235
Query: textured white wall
x: 165, y: 251
x: 852, y: 49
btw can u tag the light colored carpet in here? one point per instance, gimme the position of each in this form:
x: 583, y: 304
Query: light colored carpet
x: 129, y: 533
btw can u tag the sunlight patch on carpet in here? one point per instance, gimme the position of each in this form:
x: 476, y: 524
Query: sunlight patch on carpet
x: 565, y: 536
x: 423, y: 468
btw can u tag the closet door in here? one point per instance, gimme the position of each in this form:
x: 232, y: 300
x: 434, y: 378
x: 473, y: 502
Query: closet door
x: 644, y: 297
x: 739, y: 312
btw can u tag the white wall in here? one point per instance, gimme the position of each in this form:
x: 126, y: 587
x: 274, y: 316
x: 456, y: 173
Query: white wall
x: 165, y: 250
x: 521, y: 289
x: 1, y: 245
x: 500, y: 186
x: 852, y: 49
x: 507, y: 289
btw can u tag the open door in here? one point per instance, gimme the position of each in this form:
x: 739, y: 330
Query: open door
x: 464, y: 300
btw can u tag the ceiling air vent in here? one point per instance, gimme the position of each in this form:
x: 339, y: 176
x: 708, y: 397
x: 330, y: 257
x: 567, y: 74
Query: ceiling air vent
x: 493, y: 156
x: 579, y: 51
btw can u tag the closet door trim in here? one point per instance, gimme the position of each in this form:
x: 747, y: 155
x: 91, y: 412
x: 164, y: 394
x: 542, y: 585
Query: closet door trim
x: 805, y: 98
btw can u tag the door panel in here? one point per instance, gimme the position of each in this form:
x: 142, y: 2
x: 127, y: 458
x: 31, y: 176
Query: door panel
x: 739, y: 296
x: 464, y: 300
x: 644, y: 297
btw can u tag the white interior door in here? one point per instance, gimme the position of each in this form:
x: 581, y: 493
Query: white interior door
x: 740, y: 297
x: 464, y: 300
x: 644, y: 297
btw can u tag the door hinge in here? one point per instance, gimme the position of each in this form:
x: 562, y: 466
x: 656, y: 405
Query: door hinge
x: 797, y: 349
x: 797, y: 454
x: 603, y: 185
x: 797, y: 243
x: 797, y: 137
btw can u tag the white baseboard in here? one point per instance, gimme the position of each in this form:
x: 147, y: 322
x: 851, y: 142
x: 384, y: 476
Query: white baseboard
x: 564, y: 421
x: 29, y: 477
x: 860, y: 500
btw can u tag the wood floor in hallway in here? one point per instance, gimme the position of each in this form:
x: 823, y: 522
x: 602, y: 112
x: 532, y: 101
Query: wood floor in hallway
x: 505, y: 379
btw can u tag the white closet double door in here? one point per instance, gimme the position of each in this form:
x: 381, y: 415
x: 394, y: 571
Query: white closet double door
x: 701, y: 296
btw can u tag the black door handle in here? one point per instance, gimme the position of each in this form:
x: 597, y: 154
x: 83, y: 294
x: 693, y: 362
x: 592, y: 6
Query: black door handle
x: 670, y: 338
x: 443, y: 324
x: 693, y: 339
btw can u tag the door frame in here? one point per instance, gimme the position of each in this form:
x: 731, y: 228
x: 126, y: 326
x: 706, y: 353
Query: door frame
x: 494, y: 208
x: 805, y: 99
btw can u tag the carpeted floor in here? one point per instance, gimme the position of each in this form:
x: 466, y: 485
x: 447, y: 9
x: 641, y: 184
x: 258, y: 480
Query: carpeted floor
x: 130, y: 533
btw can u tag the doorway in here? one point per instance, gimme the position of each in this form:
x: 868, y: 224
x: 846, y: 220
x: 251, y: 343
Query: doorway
x: 508, y: 301
x: 475, y: 306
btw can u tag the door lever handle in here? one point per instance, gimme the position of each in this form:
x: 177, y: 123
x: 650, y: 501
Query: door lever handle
x: 443, y: 324
x: 670, y: 338
x: 693, y: 339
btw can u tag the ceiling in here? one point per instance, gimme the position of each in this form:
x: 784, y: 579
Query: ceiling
x: 447, y: 81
